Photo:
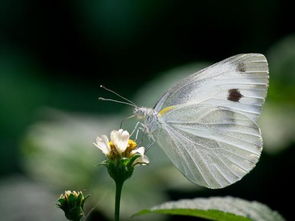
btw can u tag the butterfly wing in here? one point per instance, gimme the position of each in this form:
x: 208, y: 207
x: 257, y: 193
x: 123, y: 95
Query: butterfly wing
x: 208, y: 120
x: 239, y: 83
x: 211, y: 146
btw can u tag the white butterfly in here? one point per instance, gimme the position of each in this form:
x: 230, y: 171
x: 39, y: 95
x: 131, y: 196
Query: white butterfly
x: 206, y: 124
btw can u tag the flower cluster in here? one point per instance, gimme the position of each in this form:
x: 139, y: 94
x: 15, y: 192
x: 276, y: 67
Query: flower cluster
x: 121, y: 146
x: 122, y: 154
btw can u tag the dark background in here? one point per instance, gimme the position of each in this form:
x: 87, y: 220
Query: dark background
x: 57, y: 53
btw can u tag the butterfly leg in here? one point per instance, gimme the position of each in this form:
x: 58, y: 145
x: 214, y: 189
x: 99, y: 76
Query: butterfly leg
x: 135, y: 129
x: 143, y: 129
x: 140, y: 127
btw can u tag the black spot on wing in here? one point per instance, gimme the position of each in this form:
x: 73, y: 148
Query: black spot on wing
x: 234, y: 95
x: 241, y: 67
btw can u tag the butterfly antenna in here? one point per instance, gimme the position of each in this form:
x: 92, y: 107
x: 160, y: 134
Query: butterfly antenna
x: 124, y: 98
x: 116, y: 101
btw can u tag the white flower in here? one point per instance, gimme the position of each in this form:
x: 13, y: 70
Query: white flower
x: 121, y: 146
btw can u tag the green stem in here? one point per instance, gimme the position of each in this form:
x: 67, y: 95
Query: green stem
x: 119, y: 185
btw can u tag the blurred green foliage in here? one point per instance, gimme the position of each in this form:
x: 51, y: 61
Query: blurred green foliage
x: 282, y: 66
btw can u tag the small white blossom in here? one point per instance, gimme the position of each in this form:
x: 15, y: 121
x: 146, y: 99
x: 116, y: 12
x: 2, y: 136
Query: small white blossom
x: 121, y: 146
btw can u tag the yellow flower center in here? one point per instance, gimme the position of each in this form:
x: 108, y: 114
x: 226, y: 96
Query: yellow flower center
x: 112, y: 145
x: 127, y: 153
x: 132, y: 144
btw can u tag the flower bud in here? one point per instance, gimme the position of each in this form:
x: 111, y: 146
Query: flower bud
x: 72, y: 202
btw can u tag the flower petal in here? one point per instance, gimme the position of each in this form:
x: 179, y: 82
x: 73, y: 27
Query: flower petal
x: 141, y: 160
x: 102, y: 143
x: 139, y: 150
x: 120, y: 139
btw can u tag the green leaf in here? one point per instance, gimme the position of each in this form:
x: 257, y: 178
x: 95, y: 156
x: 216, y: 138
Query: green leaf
x: 217, y: 208
x: 208, y: 214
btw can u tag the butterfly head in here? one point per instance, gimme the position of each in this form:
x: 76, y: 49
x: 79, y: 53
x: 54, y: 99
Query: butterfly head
x: 143, y: 112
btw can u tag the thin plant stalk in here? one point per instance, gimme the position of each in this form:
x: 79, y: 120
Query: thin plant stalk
x: 119, y: 186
